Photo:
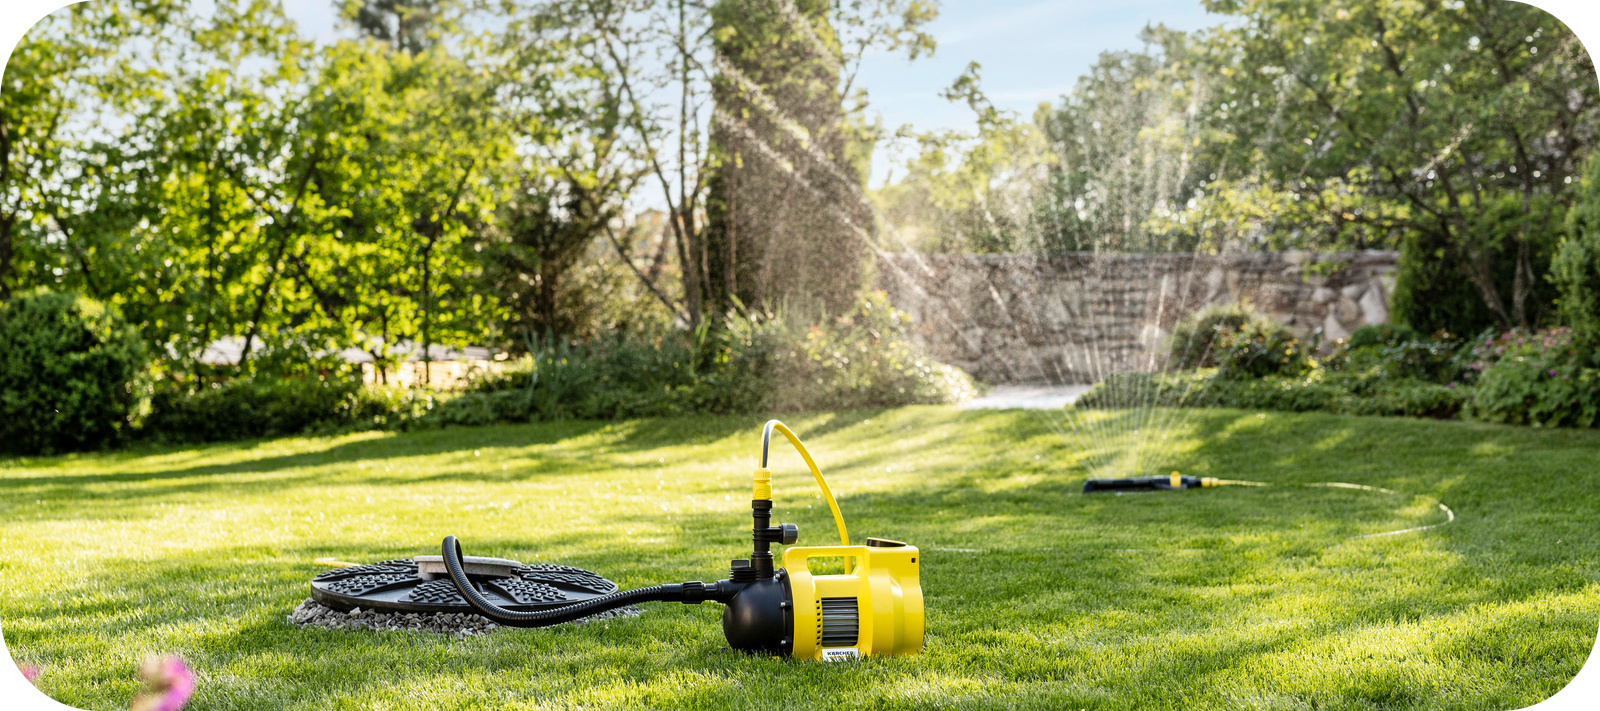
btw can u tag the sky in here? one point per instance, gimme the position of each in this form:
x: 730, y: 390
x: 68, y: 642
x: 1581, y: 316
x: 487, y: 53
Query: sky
x: 1032, y: 51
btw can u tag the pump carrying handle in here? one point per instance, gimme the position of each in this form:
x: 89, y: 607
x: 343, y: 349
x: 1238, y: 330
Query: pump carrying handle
x: 766, y: 440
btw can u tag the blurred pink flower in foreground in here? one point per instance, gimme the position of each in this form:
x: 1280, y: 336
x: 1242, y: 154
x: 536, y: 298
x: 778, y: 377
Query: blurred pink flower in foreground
x: 29, y: 672
x: 168, y: 684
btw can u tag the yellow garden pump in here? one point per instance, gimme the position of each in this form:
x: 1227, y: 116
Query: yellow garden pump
x: 873, y: 608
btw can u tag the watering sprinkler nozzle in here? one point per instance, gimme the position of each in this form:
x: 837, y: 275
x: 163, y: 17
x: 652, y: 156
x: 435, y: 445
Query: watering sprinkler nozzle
x: 1154, y: 483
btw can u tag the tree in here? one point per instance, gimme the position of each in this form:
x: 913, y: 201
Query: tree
x: 409, y: 26
x: 788, y: 220
x: 1128, y: 150
x: 300, y: 200
x: 973, y: 192
x: 673, y: 60
x: 1463, y: 121
x: 1576, y: 266
x: 70, y: 60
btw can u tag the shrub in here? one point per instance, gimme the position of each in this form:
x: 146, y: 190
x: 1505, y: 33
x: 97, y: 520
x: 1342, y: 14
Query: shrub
x: 1194, y: 338
x: 71, y: 374
x: 1536, y: 379
x: 1381, y: 334
x: 743, y: 365
x: 1129, y: 389
x: 862, y: 359
x: 1432, y: 289
x: 1575, y: 269
x: 609, y: 377
x: 1316, y: 391
x: 1259, y: 349
x: 267, y: 407
x: 1431, y: 361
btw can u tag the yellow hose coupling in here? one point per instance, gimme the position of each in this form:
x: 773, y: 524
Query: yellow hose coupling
x: 763, y: 485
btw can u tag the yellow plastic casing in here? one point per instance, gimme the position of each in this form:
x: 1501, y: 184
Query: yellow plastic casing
x: 888, y: 592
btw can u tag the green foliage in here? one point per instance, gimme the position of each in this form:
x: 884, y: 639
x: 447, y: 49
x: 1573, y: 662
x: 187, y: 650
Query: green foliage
x: 1194, y: 339
x: 1381, y: 334
x: 1435, y: 286
x: 1516, y: 377
x: 1452, y: 131
x: 1576, y: 267
x: 615, y: 376
x: 303, y: 198
x: 1397, y: 351
x: 1238, y: 343
x: 1537, y: 379
x: 744, y: 365
x: 862, y: 359
x: 1378, y: 119
x: 71, y: 374
x: 1381, y: 369
x: 263, y: 406
x: 1123, y: 146
x: 1261, y: 348
x: 73, y: 61
x: 969, y: 192
x: 1394, y: 397
x: 1317, y: 391
x: 1432, y: 291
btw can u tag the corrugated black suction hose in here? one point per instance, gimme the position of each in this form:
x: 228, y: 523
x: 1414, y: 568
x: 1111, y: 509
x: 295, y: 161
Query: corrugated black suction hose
x: 451, y: 551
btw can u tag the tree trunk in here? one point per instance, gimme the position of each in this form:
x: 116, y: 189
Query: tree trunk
x: 427, y: 312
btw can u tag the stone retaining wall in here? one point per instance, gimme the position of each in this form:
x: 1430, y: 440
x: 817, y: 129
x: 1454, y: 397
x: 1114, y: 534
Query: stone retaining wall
x: 1074, y: 318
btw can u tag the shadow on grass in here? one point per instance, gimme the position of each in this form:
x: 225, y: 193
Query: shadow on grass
x: 1026, y: 580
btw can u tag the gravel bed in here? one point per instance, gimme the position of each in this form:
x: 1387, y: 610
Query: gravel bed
x: 315, y: 614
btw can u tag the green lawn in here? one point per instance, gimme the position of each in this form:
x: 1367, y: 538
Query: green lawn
x: 1037, y: 596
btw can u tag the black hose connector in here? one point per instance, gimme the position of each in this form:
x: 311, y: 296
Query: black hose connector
x: 692, y: 592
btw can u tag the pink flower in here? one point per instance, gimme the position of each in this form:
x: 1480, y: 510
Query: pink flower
x: 29, y: 672
x: 168, y: 684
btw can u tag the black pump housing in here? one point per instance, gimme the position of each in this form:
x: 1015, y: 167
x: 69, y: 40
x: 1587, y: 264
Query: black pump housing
x: 760, y: 617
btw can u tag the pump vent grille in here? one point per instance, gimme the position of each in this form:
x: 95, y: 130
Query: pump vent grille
x: 840, y: 621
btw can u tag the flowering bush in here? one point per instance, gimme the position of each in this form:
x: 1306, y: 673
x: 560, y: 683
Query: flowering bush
x: 1534, y: 379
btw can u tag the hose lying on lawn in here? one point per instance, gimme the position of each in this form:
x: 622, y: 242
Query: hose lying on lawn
x: 451, y: 551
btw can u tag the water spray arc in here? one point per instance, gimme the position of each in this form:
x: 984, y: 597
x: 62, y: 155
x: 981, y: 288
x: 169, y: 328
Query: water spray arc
x: 1134, y: 440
